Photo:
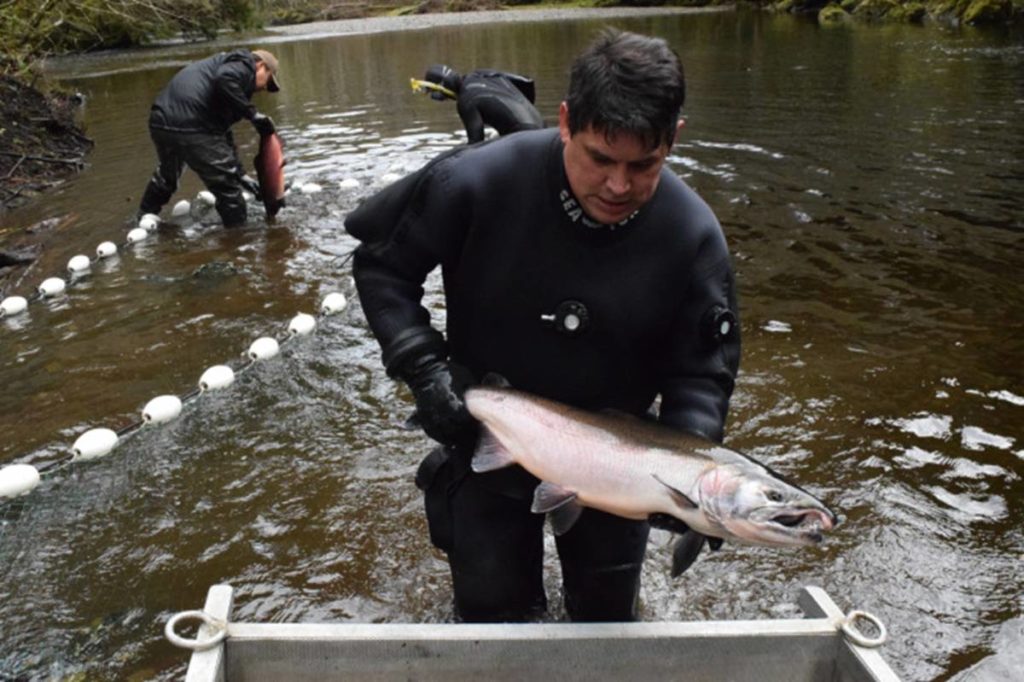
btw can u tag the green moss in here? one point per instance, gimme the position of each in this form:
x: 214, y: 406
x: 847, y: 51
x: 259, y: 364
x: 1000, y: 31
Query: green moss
x: 950, y: 8
x: 988, y: 12
x: 875, y: 10
x: 908, y: 12
x: 832, y: 15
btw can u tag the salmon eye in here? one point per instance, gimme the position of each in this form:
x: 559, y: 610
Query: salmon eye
x: 774, y: 496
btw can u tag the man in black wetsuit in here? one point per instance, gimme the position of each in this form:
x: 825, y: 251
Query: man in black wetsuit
x: 579, y: 268
x: 190, y: 124
x: 501, y: 100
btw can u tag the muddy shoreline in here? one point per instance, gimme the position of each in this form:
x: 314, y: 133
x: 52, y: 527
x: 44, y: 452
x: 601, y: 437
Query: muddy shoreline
x: 41, y: 141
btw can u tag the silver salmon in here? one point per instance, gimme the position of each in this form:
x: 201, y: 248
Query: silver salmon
x: 634, y: 468
x: 269, y: 163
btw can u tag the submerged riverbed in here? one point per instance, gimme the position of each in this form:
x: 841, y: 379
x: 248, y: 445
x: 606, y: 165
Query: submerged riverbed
x: 869, y: 182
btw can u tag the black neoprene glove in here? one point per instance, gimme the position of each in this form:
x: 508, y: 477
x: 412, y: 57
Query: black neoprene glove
x: 263, y: 124
x: 440, y: 409
x: 250, y: 185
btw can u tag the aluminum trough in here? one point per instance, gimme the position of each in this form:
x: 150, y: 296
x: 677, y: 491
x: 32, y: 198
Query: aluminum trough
x: 821, y: 647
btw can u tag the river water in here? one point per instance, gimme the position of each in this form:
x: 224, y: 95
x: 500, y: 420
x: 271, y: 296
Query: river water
x: 871, y: 185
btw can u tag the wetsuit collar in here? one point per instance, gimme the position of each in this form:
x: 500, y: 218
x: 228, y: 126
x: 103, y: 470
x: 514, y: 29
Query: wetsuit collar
x: 576, y: 214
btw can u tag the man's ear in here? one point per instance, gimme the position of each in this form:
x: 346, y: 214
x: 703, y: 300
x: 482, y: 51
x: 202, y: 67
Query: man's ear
x: 563, y: 122
x: 675, y: 136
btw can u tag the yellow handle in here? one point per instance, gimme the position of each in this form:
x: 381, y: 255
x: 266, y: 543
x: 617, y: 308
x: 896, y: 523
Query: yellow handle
x: 419, y: 86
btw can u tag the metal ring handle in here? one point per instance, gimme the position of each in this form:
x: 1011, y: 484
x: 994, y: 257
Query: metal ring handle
x: 859, y: 638
x: 219, y: 626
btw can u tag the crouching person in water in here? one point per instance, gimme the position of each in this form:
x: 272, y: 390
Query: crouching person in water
x: 190, y: 125
x: 580, y: 268
x: 503, y: 101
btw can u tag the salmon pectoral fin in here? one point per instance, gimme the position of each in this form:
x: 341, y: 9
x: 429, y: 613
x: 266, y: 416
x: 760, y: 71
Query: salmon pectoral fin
x: 490, y: 454
x: 678, y: 496
x: 685, y: 552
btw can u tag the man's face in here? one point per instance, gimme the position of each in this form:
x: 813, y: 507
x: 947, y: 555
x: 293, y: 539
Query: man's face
x: 262, y: 76
x: 611, y: 177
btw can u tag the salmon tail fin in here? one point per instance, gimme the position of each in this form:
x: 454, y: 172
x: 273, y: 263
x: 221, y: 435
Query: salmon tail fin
x: 490, y: 454
x: 678, y: 496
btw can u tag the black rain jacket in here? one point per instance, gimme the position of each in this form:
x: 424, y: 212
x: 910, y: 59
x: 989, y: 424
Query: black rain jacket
x: 208, y: 96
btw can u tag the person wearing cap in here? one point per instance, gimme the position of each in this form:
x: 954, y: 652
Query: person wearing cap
x: 578, y: 266
x: 503, y: 101
x: 190, y: 125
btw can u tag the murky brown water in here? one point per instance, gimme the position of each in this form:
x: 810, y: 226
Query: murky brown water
x: 871, y: 184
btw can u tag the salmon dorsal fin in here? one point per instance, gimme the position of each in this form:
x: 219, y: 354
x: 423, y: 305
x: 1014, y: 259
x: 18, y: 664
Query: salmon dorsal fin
x: 495, y: 380
x: 490, y: 454
x: 678, y: 496
x: 559, y: 504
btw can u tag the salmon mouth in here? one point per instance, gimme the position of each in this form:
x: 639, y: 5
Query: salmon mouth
x: 809, y: 524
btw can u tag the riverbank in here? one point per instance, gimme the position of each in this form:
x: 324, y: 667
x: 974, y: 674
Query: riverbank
x: 41, y: 143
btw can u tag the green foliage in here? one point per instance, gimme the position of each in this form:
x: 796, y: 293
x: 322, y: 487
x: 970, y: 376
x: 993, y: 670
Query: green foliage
x: 30, y: 29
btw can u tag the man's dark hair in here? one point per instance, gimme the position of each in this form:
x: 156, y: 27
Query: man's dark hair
x: 627, y: 83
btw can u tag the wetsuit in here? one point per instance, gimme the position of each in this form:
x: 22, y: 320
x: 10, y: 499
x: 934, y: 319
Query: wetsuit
x: 501, y: 100
x: 190, y: 124
x: 517, y: 254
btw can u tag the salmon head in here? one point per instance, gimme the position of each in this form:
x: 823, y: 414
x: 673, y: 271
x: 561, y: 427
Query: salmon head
x: 749, y: 503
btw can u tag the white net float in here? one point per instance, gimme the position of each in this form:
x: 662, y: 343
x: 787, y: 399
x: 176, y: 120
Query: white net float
x: 206, y: 198
x: 349, y: 183
x: 302, y: 324
x: 161, y: 409
x: 263, y: 348
x: 12, y: 305
x: 218, y: 376
x: 137, y: 235
x: 18, y: 479
x: 149, y: 222
x: 79, y: 263
x: 94, y: 443
x: 106, y: 250
x: 311, y: 188
x: 52, y: 286
x: 333, y: 303
x: 181, y: 209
